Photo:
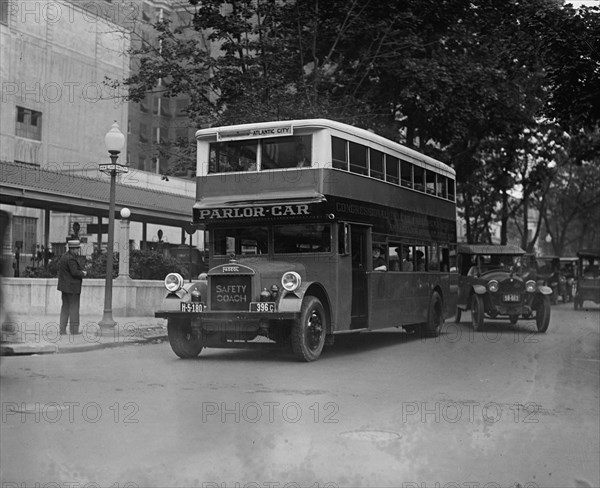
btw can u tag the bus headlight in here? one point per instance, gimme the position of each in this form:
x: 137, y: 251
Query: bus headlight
x: 291, y: 281
x: 531, y: 286
x: 493, y: 286
x: 173, y: 282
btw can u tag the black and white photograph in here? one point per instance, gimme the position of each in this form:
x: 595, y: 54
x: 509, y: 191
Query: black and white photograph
x: 300, y: 243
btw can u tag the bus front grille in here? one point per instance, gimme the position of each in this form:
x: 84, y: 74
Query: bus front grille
x: 230, y: 292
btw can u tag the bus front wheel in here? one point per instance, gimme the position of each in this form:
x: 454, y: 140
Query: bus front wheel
x: 435, y: 316
x: 308, y: 334
x: 182, y: 339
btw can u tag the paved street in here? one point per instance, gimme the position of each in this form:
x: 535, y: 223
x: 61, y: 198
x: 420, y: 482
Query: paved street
x: 503, y: 407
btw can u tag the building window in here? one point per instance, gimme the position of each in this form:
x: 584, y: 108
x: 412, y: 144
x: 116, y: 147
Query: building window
x: 4, y: 11
x: 24, y: 234
x: 29, y: 124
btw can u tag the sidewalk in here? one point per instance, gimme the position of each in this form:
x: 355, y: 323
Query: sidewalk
x: 29, y: 334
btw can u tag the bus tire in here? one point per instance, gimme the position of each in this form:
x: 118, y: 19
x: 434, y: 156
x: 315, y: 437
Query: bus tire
x: 308, y: 333
x: 542, y: 314
x: 435, y: 315
x: 477, y: 312
x: 182, y: 339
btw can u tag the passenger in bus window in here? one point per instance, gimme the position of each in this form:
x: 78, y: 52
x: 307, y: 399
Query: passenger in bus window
x: 407, y: 264
x: 420, y: 261
x: 302, y: 160
x: 379, y: 263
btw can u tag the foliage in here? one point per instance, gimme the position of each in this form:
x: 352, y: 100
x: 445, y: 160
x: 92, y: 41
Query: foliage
x: 465, y: 81
x: 146, y: 265
x: 153, y: 265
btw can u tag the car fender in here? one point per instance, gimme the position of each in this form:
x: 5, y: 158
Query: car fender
x: 479, y: 289
x: 545, y: 290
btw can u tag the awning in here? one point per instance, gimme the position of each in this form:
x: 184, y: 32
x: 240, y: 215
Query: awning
x: 259, y: 200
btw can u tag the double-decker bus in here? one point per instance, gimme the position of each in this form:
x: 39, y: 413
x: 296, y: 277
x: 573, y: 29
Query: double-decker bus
x: 314, y: 228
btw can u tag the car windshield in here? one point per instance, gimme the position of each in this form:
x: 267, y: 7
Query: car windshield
x: 492, y: 262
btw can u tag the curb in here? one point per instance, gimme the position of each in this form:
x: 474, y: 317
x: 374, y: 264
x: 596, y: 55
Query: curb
x: 23, y: 349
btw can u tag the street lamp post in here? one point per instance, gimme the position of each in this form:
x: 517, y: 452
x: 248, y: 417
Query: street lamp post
x: 114, y: 141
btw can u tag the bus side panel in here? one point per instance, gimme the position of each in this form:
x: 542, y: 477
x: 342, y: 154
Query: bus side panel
x: 449, y: 286
x: 403, y: 298
x: 397, y: 298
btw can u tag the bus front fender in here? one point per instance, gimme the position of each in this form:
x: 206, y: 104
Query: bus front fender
x: 291, y: 301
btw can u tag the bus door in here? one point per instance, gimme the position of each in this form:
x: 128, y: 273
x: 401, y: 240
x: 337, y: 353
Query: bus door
x: 359, y: 250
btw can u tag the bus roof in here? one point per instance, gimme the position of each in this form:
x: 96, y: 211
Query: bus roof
x: 261, y: 129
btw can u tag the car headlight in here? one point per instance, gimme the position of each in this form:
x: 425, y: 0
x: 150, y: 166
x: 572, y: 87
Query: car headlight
x: 493, y: 286
x: 291, y: 281
x: 173, y: 282
x: 531, y: 286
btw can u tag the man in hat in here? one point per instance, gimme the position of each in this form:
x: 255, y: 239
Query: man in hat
x: 70, y: 276
x: 379, y: 263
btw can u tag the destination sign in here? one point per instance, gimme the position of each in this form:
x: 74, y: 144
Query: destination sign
x: 234, y: 135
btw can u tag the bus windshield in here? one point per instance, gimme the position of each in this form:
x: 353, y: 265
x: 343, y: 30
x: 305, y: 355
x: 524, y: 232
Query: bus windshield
x: 287, y: 239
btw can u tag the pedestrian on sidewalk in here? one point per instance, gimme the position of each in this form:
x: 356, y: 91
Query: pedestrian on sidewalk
x: 70, y: 277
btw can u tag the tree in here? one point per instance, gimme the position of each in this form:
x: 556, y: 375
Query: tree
x: 461, y: 80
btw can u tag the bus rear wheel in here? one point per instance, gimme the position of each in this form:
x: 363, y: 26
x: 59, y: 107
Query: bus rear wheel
x: 182, y: 339
x: 435, y: 316
x: 308, y: 334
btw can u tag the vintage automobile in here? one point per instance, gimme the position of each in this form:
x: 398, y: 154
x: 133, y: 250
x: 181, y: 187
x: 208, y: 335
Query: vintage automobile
x: 491, y: 285
x: 587, y: 284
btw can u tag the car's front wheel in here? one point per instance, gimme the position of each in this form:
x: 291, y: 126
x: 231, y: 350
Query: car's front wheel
x: 542, y: 314
x: 477, y: 311
x: 182, y: 339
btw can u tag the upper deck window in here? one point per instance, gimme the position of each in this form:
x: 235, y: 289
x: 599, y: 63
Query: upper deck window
x: 391, y: 169
x: 376, y: 164
x: 430, y: 182
x: 286, y: 152
x: 226, y: 157
x: 273, y: 153
x: 451, y: 190
x: 406, y: 174
x: 358, y: 158
x: 419, y: 178
x: 338, y: 153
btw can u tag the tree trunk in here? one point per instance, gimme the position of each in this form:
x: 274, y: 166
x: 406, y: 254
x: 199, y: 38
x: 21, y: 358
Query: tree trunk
x: 524, y: 238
